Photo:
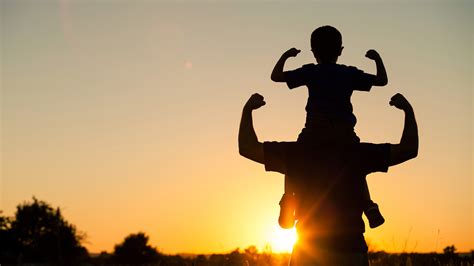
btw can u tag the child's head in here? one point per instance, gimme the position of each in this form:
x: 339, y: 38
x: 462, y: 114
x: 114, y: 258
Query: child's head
x: 326, y: 44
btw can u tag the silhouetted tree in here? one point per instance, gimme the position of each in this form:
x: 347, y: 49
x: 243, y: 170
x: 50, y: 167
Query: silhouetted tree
x: 449, y: 254
x: 200, y: 260
x: 103, y: 258
x: 9, y: 247
x: 175, y: 260
x: 251, y: 255
x: 43, y: 235
x: 217, y: 259
x: 135, y: 250
x: 449, y: 250
x: 235, y: 258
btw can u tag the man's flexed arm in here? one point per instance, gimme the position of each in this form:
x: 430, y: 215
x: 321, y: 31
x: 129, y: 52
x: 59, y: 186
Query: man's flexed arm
x: 408, y: 147
x: 249, y: 146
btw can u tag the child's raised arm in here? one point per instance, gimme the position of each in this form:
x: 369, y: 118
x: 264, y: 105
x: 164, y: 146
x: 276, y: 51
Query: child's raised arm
x: 278, y: 75
x: 381, y: 76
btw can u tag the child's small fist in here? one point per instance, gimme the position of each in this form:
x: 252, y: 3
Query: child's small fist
x: 292, y: 52
x: 372, y: 54
x: 255, y: 101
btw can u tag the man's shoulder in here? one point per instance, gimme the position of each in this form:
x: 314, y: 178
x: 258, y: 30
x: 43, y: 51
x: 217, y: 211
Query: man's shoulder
x: 276, y: 155
x: 372, y: 157
x: 357, y: 147
x: 280, y: 143
x: 281, y: 146
x: 370, y: 146
x: 363, y: 148
x: 292, y: 150
x: 309, y: 66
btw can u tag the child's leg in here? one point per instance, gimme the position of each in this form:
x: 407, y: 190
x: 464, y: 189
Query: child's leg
x: 366, y: 195
x: 371, y: 209
x: 287, y: 205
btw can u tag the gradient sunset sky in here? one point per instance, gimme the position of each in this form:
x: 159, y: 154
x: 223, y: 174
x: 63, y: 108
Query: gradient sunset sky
x: 125, y: 114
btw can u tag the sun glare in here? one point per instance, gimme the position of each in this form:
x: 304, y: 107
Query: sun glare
x: 283, y: 239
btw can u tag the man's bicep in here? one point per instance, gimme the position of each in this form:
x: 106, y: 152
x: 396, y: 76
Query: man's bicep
x: 375, y: 157
x: 255, y: 153
x: 259, y: 157
x: 274, y: 157
x: 398, y: 154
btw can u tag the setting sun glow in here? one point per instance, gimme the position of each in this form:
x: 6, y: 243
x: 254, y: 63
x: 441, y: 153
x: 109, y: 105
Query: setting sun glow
x: 125, y: 115
x: 283, y: 239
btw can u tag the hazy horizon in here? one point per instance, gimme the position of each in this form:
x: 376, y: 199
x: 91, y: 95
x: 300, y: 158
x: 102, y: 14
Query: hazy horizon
x: 113, y: 108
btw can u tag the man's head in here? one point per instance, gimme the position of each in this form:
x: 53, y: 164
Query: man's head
x: 326, y: 44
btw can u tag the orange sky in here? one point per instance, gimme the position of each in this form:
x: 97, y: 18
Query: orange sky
x: 125, y: 114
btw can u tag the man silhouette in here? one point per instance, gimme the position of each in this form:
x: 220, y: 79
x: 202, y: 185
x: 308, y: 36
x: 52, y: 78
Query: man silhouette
x: 328, y: 184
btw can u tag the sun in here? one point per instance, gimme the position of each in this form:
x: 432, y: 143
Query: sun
x: 283, y: 239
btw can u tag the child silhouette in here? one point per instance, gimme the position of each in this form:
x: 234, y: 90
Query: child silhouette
x: 329, y: 116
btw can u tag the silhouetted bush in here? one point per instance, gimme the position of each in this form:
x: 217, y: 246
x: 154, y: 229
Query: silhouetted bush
x: 448, y: 258
x: 135, y: 250
x: 39, y: 234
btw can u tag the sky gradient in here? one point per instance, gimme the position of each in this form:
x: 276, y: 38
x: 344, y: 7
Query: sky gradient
x: 125, y: 114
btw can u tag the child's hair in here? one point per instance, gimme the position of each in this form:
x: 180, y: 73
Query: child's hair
x: 326, y: 43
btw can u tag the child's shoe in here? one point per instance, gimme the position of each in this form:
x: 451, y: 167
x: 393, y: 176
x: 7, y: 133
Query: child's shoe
x: 374, y: 216
x: 286, y: 219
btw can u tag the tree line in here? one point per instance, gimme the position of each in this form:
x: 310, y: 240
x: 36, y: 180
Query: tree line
x: 39, y: 234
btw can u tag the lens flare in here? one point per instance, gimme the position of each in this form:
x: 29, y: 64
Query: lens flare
x: 283, y: 239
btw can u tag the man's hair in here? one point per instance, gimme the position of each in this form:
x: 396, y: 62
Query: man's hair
x: 326, y: 43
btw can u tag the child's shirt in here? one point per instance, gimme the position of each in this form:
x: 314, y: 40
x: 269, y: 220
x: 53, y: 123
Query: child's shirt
x: 330, y: 87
